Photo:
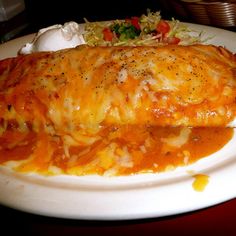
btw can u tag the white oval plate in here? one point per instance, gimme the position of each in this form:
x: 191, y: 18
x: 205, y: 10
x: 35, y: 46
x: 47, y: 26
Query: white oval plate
x: 130, y: 197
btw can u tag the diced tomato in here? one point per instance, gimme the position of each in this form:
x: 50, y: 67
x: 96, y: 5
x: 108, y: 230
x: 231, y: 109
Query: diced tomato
x: 135, y: 22
x: 171, y: 40
x: 107, y: 34
x: 163, y: 27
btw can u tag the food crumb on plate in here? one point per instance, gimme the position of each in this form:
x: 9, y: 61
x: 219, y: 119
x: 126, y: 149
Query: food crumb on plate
x: 200, y: 182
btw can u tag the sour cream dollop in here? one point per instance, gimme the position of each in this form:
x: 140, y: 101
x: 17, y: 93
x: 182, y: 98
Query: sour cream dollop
x: 55, y: 37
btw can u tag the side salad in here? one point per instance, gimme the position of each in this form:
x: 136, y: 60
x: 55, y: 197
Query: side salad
x: 148, y: 29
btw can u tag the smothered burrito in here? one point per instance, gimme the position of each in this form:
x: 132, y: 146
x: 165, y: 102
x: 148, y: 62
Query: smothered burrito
x: 115, y: 110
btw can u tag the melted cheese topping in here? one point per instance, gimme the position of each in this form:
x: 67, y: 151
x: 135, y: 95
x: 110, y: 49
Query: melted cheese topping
x: 89, y: 86
x: 104, y: 109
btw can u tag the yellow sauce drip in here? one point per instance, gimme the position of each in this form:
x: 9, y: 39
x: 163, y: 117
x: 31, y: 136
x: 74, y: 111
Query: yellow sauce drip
x: 200, y: 182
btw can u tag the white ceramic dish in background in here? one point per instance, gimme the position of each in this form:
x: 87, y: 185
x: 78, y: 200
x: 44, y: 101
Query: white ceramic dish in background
x: 125, y: 197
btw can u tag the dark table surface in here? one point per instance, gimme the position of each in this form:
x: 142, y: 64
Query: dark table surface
x: 42, y: 13
x: 215, y: 220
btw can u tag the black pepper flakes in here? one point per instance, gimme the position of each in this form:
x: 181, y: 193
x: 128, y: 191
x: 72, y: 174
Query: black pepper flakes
x: 9, y: 107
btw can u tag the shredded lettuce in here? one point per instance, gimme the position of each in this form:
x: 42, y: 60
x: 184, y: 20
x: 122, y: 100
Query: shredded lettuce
x: 127, y: 35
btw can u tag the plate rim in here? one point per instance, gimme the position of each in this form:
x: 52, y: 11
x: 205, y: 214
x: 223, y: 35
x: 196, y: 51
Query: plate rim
x: 21, y: 189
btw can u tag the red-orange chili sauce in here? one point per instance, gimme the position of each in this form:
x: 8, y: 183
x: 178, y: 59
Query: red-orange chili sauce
x: 120, y: 150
